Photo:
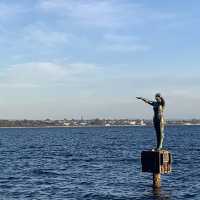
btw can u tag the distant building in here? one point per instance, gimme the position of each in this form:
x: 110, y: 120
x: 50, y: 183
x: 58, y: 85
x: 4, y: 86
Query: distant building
x: 83, y: 123
x: 142, y: 123
x: 187, y: 124
x: 66, y: 124
x: 132, y: 123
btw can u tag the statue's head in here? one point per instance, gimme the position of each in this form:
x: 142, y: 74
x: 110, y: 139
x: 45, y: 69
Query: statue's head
x: 158, y: 97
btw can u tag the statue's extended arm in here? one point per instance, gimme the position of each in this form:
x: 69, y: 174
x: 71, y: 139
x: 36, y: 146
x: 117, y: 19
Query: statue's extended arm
x: 145, y: 100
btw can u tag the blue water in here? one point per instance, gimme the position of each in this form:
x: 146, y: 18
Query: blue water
x: 95, y: 164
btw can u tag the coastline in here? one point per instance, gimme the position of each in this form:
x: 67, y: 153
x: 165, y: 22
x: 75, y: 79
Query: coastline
x: 76, y: 126
x: 112, y: 126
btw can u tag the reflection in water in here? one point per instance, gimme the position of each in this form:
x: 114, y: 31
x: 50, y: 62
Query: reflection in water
x: 156, y: 193
x: 159, y: 194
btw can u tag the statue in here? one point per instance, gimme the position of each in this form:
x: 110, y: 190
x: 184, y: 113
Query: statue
x: 158, y: 120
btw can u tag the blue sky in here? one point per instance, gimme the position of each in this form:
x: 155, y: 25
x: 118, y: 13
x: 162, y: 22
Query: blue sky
x: 73, y: 58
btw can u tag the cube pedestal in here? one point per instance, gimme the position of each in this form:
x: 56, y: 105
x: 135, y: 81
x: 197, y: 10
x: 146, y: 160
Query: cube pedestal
x: 156, y: 162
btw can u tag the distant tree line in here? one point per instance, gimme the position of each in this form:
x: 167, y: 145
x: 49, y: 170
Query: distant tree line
x: 25, y: 123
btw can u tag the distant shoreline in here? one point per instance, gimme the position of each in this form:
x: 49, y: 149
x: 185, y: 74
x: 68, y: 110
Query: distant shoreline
x: 42, y: 127
x: 77, y: 126
x: 82, y: 123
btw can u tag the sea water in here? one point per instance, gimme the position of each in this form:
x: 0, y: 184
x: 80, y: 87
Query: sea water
x: 95, y: 163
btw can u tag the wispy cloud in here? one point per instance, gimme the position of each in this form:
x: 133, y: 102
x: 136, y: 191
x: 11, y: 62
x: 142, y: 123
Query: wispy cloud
x: 113, y: 37
x: 44, y: 74
x: 103, y: 13
x: 126, y: 41
x: 97, y: 13
x: 10, y: 10
x: 123, y: 43
x: 38, y: 35
x: 131, y: 48
x: 47, y: 28
x: 111, y: 20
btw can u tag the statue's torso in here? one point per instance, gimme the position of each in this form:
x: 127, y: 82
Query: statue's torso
x: 158, y: 111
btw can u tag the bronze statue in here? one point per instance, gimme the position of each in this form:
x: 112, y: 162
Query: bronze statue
x: 158, y: 119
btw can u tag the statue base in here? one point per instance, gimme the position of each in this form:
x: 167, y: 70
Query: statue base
x: 157, y: 162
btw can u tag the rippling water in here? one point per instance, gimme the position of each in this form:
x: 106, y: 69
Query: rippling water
x: 95, y: 164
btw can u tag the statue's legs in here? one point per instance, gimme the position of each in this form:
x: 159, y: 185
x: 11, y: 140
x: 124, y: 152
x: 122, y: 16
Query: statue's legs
x: 159, y: 128
x: 161, y: 135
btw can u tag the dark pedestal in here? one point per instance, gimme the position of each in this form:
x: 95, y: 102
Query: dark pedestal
x: 156, y: 162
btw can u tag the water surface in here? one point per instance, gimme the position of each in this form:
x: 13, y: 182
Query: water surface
x: 95, y: 163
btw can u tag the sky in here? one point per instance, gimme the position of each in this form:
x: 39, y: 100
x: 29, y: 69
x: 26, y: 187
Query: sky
x: 91, y: 58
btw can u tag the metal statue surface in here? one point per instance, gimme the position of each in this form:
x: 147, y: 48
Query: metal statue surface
x: 158, y: 119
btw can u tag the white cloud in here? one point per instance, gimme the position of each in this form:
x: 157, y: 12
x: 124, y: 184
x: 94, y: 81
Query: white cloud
x: 61, y: 88
x: 30, y: 75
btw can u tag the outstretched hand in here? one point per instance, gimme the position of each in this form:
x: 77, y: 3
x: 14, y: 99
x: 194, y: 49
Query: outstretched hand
x: 143, y: 99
